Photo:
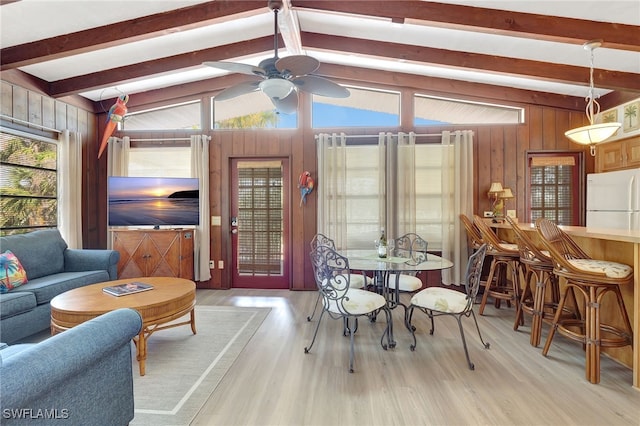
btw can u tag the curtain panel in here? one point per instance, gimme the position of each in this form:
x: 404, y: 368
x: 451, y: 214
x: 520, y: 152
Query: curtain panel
x: 200, y: 170
x: 421, y: 188
x: 70, y: 189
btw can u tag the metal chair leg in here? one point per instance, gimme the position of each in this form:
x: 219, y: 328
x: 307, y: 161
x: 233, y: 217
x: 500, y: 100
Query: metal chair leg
x: 310, y: 317
x: 315, y: 333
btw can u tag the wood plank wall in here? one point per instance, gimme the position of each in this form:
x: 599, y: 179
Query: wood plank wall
x: 499, y: 155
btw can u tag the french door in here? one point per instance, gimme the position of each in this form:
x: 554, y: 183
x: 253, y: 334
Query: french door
x: 260, y: 223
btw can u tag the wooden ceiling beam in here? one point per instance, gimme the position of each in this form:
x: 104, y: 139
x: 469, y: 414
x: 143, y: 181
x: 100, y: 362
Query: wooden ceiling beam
x: 463, y: 89
x: 120, y: 33
x: 560, y: 73
x: 83, y: 83
x: 494, y: 21
x: 358, y: 76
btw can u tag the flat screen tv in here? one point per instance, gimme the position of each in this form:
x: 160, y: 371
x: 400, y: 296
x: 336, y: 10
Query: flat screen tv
x: 153, y: 201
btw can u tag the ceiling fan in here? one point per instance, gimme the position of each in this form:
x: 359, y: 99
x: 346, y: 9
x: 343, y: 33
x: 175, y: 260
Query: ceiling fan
x: 281, y: 78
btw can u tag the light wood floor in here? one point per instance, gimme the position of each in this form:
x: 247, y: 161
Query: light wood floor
x: 273, y: 382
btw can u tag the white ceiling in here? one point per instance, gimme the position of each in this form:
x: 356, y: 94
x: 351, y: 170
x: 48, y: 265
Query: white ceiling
x: 32, y: 20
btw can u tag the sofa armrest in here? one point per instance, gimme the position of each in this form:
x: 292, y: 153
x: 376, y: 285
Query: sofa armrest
x: 78, y: 260
x: 83, y: 373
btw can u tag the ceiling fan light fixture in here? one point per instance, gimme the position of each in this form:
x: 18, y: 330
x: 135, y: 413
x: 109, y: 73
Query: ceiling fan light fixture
x: 276, y: 88
x: 592, y: 134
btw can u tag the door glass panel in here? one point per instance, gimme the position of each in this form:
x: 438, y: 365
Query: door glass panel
x: 260, y: 219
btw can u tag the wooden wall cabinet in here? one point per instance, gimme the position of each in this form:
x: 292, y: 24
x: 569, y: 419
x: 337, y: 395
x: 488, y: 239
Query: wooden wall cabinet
x: 618, y: 155
x: 154, y: 253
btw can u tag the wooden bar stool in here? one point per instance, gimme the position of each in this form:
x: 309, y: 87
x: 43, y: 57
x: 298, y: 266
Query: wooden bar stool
x: 593, y: 279
x: 474, y: 239
x: 540, y: 292
x: 502, y: 282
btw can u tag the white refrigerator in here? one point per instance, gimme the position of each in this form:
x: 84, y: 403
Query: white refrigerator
x: 613, y: 200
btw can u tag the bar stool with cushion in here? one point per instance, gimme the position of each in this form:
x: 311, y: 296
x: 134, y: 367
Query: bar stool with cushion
x: 540, y: 291
x: 593, y: 279
x: 474, y: 239
x: 502, y: 281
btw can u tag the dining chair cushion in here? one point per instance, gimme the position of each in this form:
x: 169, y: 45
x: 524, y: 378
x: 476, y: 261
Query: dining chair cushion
x: 405, y: 283
x: 357, y: 281
x: 357, y: 302
x: 440, y: 299
x: 610, y: 269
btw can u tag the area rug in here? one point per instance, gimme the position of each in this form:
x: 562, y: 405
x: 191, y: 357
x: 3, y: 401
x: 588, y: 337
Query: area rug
x: 183, y: 369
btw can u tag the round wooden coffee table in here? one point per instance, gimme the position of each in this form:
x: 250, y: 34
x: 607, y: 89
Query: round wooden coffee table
x: 170, y: 299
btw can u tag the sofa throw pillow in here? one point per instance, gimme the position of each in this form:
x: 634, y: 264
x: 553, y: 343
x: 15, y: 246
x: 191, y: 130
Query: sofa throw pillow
x: 12, y: 274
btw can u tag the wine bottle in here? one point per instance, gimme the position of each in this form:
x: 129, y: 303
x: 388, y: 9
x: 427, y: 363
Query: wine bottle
x: 382, y: 244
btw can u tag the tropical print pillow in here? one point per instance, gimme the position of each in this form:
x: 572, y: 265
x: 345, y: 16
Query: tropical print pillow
x: 12, y: 274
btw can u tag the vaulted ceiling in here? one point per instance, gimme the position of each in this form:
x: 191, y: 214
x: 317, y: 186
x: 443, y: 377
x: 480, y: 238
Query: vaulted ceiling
x: 519, y: 51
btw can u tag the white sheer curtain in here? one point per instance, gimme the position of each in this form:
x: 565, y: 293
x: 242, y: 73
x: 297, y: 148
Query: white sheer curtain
x: 457, y: 181
x: 70, y: 189
x: 117, y: 165
x: 332, y: 207
x: 405, y: 185
x: 200, y: 170
x: 118, y: 156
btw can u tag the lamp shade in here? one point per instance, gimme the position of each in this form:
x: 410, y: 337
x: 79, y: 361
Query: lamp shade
x: 593, y: 133
x: 506, y: 194
x: 495, y: 188
x: 276, y: 88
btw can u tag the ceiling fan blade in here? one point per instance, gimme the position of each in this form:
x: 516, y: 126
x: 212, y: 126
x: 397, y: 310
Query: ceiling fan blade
x: 297, y: 65
x: 236, y: 67
x: 237, y: 90
x: 320, y: 86
x: 287, y: 105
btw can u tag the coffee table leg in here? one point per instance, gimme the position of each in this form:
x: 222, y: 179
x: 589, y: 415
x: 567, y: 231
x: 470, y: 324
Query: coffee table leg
x: 142, y: 351
x: 193, y: 321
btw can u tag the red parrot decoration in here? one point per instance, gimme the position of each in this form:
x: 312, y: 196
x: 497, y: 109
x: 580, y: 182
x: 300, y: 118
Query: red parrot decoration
x: 305, y: 183
x: 115, y: 115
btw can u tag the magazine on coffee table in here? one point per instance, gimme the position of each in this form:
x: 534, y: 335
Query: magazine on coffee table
x: 128, y: 288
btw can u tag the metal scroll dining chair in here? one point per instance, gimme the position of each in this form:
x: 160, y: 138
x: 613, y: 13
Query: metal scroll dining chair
x: 341, y: 301
x: 356, y: 280
x: 414, y: 248
x: 437, y: 301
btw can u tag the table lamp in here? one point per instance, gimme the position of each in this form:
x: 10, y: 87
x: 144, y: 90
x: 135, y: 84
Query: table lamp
x: 494, y: 194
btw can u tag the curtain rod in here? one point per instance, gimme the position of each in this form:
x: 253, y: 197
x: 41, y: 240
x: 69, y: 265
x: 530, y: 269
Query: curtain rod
x: 392, y: 134
x: 164, y: 139
x: 49, y: 129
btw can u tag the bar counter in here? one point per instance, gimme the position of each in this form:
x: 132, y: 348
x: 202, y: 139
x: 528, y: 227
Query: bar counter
x: 607, y: 244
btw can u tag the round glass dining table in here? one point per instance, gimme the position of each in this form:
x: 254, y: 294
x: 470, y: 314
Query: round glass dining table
x: 368, y: 261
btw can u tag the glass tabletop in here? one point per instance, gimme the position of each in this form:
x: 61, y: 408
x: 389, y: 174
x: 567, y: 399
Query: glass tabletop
x: 368, y: 260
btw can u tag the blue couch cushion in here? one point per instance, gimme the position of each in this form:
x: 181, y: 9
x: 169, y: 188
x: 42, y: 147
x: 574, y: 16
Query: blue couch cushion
x: 15, y: 303
x: 40, y: 252
x: 46, y: 288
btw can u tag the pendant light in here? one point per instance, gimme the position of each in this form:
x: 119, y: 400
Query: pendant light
x: 593, y: 133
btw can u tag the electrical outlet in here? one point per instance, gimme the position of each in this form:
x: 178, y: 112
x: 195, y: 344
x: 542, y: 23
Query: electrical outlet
x: 212, y: 264
x: 488, y: 214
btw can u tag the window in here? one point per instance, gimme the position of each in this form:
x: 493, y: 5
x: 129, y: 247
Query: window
x: 364, y: 107
x: 363, y: 175
x: 251, y: 111
x: 437, y: 110
x: 181, y: 116
x: 555, y: 187
x: 28, y: 183
x: 160, y: 160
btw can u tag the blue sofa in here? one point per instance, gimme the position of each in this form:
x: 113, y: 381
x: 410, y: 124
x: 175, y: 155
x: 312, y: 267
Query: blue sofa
x: 83, y: 376
x: 51, y: 269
